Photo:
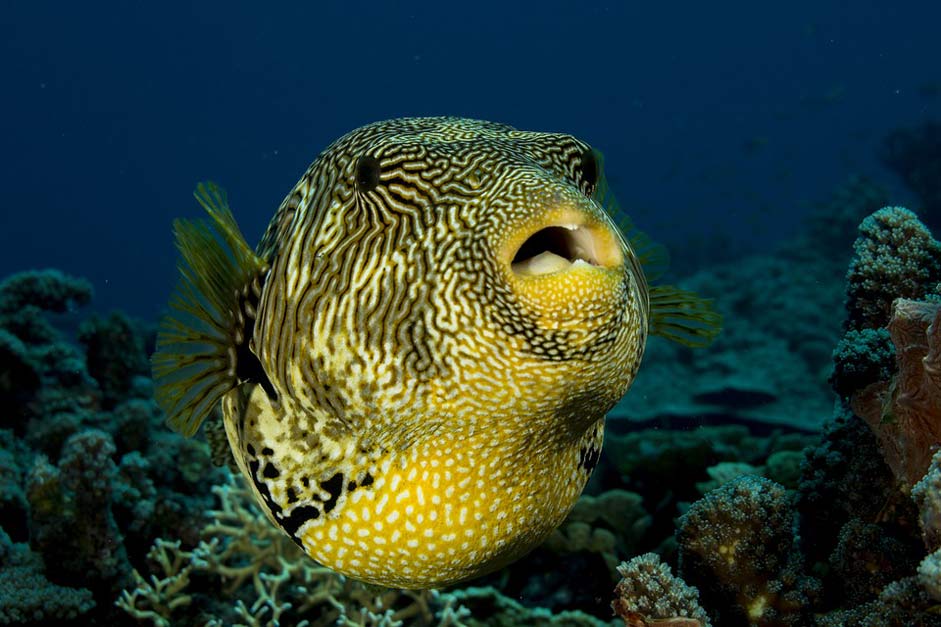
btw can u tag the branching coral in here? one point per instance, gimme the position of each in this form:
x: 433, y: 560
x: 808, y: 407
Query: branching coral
x: 48, y: 290
x: 242, y: 551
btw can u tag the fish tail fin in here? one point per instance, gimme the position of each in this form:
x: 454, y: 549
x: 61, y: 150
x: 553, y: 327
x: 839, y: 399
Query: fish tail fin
x: 683, y: 317
x: 199, y: 339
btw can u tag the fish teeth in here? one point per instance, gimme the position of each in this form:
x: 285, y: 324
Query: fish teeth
x: 543, y: 263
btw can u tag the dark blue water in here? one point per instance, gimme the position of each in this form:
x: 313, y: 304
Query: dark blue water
x: 716, y: 119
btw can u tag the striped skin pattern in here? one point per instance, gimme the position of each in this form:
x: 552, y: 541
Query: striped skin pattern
x: 436, y: 412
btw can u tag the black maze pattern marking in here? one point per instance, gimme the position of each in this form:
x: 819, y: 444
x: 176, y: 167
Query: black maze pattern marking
x: 466, y: 173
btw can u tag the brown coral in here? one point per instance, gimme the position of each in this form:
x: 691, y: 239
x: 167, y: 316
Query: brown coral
x: 905, y: 412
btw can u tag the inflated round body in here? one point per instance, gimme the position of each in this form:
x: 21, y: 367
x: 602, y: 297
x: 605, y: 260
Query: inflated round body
x: 447, y: 318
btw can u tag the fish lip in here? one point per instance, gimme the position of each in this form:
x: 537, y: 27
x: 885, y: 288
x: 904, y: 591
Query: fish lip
x: 563, y: 244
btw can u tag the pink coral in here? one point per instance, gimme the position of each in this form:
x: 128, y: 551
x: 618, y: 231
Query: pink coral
x: 905, y: 412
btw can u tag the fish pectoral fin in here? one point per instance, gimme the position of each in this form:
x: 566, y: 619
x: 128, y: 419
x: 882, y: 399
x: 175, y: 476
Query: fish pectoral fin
x: 211, y: 316
x: 683, y: 317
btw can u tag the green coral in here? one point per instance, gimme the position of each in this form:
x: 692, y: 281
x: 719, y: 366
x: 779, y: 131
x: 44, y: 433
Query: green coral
x: 784, y: 467
x: 489, y: 608
x: 71, y: 522
x: 723, y: 472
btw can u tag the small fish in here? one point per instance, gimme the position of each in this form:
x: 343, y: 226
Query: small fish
x: 415, y: 363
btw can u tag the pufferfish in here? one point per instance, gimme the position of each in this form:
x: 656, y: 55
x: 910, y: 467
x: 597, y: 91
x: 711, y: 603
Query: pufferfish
x: 414, y: 364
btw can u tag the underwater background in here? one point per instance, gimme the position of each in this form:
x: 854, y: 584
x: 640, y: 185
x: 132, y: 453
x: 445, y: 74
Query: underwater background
x: 784, y: 476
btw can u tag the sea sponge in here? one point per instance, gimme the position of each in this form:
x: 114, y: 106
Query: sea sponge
x: 896, y: 257
x: 905, y: 412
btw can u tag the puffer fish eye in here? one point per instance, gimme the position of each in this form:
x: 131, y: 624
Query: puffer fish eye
x: 589, y: 165
x: 367, y: 173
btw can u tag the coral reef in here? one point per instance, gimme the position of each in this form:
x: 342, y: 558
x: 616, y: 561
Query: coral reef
x: 91, y: 480
x: 114, y: 355
x: 839, y: 544
x: 89, y: 472
x: 239, y: 549
x: 109, y: 518
x: 267, y: 578
x: 886, y: 365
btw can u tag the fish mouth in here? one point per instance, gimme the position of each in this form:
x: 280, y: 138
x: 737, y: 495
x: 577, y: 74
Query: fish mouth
x: 560, y: 247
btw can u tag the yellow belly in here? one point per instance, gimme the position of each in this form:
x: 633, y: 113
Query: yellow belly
x: 453, y: 506
x: 444, y: 516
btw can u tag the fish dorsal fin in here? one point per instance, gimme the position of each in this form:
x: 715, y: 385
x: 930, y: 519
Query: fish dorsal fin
x: 653, y: 257
x: 683, y: 317
x: 203, y: 339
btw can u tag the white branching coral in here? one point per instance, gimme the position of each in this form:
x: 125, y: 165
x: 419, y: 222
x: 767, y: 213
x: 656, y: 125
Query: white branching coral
x: 240, y: 548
